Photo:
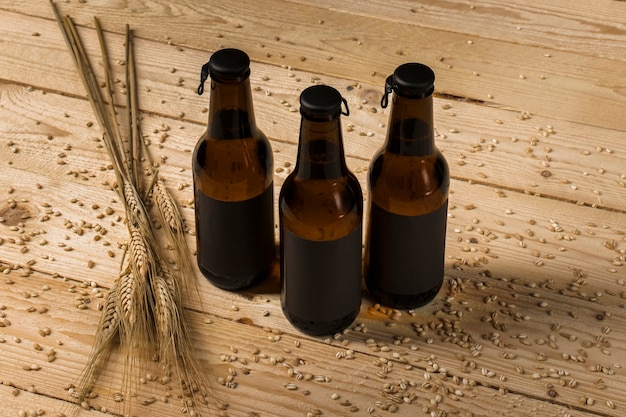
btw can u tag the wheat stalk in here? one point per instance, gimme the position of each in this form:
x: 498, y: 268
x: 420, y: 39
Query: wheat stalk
x: 143, y: 315
x: 132, y: 106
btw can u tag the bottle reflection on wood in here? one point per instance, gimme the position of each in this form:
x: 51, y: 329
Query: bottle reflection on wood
x: 233, y: 173
x: 321, y: 211
x: 408, y: 197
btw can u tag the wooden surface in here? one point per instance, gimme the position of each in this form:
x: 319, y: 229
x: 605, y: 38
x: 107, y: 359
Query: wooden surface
x: 529, y: 111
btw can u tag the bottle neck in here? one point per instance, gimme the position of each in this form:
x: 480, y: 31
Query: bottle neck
x: 320, y: 150
x: 411, y: 127
x: 231, y: 114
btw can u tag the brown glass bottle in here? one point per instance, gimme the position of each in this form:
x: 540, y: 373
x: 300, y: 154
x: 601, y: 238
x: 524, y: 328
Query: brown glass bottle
x: 408, y: 186
x: 321, y: 217
x: 233, y: 173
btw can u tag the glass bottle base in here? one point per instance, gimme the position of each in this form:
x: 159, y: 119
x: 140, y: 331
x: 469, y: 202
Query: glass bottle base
x: 321, y: 328
x: 403, y: 301
x: 234, y: 283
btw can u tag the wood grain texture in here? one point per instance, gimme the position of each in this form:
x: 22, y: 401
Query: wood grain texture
x: 596, y: 28
x: 486, y: 268
x: 530, y: 321
x: 590, y: 159
x: 574, y: 86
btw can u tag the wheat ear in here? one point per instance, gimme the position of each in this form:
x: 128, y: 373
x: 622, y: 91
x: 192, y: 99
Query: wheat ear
x: 135, y: 295
x: 176, y: 347
x: 136, y: 212
x: 107, y: 338
x: 173, y: 223
x: 167, y: 208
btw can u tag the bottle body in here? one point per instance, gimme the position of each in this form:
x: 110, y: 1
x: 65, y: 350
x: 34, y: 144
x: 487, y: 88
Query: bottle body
x: 233, y: 191
x: 235, y: 235
x: 404, y: 255
x: 321, y: 212
x: 321, y: 271
x: 408, y: 197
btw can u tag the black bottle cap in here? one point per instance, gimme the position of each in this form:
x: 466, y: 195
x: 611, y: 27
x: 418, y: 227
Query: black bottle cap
x: 226, y: 66
x: 229, y: 64
x: 411, y: 80
x: 322, y: 101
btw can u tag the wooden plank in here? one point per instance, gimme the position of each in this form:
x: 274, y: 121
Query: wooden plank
x: 560, y: 159
x: 594, y: 28
x: 28, y: 402
x: 559, y: 256
x: 521, y: 292
x: 84, y: 155
x: 262, y: 362
x: 530, y: 319
x: 486, y: 227
x: 566, y: 86
x: 75, y: 162
x: 65, y: 240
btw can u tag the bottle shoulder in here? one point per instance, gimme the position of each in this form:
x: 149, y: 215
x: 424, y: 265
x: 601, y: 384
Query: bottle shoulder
x: 428, y: 168
x: 321, y: 209
x: 233, y: 169
x: 255, y: 147
x: 313, y: 191
x: 409, y: 184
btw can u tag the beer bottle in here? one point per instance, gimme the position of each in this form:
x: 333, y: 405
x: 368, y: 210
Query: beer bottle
x: 408, y: 197
x: 233, y: 180
x: 321, y: 217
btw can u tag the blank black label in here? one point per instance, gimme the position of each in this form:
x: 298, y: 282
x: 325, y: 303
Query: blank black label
x: 321, y: 279
x: 235, y: 239
x: 406, y: 253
